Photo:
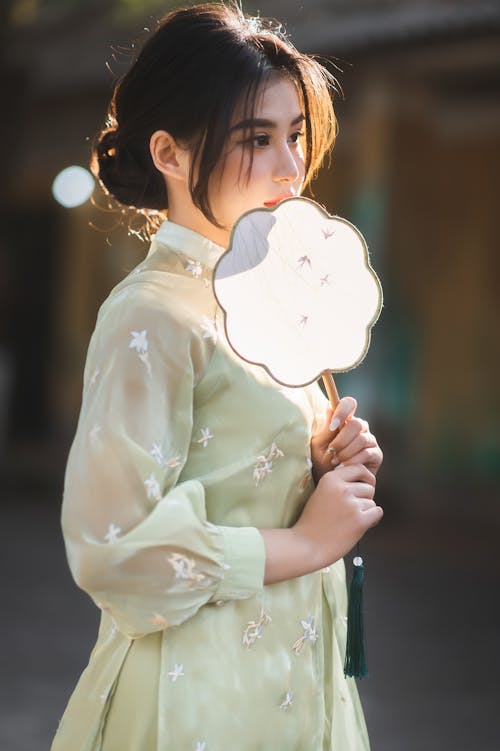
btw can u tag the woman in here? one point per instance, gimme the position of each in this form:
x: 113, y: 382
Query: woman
x: 205, y: 510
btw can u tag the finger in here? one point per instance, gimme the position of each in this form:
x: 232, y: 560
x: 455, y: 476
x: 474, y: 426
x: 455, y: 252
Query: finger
x: 356, y: 473
x: 343, y: 411
x: 363, y: 490
x: 366, y: 503
x: 370, y: 457
x: 348, y: 432
x: 360, y: 442
x: 372, y: 516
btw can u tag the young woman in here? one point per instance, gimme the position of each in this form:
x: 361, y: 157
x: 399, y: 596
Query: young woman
x: 207, y: 509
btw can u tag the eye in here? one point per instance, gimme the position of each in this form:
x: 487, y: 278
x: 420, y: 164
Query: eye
x: 295, y: 137
x: 261, y: 140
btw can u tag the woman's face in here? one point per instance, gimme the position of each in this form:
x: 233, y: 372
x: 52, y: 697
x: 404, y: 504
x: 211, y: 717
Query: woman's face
x: 277, y: 169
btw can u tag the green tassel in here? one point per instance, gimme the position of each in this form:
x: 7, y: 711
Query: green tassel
x: 355, y: 661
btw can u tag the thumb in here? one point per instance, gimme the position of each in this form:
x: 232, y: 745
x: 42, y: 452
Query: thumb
x: 343, y: 412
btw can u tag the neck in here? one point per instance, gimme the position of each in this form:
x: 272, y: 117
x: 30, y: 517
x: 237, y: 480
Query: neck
x: 188, y: 215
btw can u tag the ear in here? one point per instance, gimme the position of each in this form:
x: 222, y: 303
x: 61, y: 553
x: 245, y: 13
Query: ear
x: 171, y: 159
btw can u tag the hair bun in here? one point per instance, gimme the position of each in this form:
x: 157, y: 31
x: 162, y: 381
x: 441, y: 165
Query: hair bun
x: 106, y: 146
x: 127, y: 173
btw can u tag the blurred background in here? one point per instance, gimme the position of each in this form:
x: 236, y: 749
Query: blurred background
x: 416, y: 168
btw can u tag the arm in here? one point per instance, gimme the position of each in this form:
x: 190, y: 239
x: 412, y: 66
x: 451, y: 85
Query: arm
x: 137, y: 539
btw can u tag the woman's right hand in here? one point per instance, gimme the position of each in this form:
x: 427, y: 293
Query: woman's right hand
x: 337, y: 514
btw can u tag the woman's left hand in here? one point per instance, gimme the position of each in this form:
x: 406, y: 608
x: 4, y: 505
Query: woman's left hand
x: 344, y: 439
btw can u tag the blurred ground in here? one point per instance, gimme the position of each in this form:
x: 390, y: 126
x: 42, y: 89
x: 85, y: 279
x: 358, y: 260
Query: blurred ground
x: 432, y: 613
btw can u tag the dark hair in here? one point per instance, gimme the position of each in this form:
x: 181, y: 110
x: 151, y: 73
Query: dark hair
x: 187, y: 79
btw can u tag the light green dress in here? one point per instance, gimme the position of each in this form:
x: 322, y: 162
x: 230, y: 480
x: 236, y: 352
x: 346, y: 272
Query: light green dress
x: 182, y: 452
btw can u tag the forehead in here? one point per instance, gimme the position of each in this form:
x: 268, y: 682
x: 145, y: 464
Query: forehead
x: 276, y: 99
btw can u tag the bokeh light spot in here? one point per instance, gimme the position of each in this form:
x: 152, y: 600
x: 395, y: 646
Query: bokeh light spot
x: 73, y: 186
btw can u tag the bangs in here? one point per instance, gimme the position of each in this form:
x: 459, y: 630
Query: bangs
x: 259, y: 57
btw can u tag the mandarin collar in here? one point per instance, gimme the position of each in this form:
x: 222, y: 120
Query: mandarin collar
x: 189, y: 243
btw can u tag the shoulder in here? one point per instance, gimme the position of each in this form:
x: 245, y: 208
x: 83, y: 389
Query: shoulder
x: 161, y: 312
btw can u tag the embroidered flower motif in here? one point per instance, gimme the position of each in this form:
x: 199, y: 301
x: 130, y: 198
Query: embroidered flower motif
x: 112, y: 534
x: 310, y: 634
x: 153, y: 487
x: 184, y: 567
x: 307, y: 476
x: 159, y: 620
x: 253, y: 630
x: 176, y: 673
x: 195, y: 268
x: 201, y: 746
x: 139, y: 341
x: 206, y: 436
x: 94, y: 434
x: 157, y: 453
x: 264, y: 464
x: 173, y: 462
x: 287, y: 701
x: 209, y: 329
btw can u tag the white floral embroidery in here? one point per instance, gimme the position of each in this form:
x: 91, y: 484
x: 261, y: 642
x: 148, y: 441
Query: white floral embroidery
x: 310, y: 634
x: 201, y: 746
x: 93, y: 377
x: 139, y: 341
x: 94, y: 434
x: 264, y: 464
x: 307, y: 476
x: 173, y: 462
x: 159, y: 620
x: 114, y: 627
x: 153, y: 487
x: 206, y: 436
x: 184, y: 567
x: 209, y: 329
x: 157, y: 453
x: 253, y: 630
x: 195, y: 268
x: 287, y: 701
x: 176, y: 673
x: 112, y: 534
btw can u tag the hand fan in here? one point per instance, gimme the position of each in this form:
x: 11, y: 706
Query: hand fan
x: 300, y: 297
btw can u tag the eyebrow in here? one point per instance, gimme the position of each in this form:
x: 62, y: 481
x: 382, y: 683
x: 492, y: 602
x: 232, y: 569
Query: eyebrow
x: 259, y: 122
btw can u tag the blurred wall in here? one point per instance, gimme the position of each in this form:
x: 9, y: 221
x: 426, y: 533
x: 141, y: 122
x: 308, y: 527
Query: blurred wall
x: 415, y: 168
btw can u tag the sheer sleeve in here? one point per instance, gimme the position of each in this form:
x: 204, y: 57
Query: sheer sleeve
x: 137, y: 537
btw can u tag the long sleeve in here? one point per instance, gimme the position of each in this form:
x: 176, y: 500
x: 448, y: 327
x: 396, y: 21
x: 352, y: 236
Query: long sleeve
x: 137, y: 537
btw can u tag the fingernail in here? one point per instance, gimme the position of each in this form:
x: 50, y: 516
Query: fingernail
x: 334, y: 423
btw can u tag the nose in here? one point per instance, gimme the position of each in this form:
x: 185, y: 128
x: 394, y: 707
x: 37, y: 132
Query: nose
x: 286, y: 168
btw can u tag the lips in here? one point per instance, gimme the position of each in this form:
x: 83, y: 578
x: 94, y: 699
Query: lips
x: 274, y: 201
